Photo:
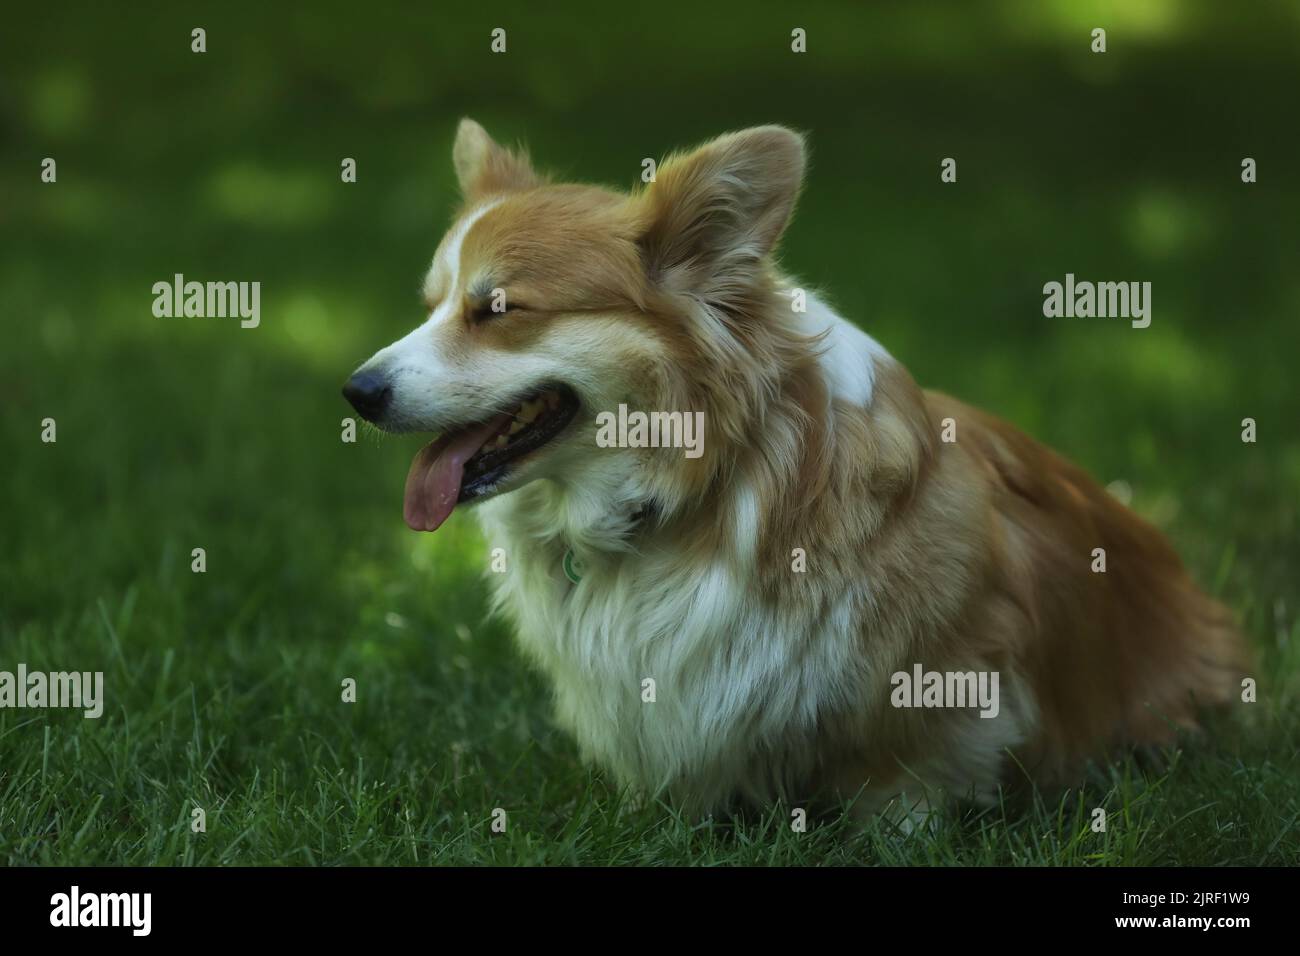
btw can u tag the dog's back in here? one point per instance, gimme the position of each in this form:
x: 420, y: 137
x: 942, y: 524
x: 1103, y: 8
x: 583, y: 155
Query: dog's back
x: 1116, y: 643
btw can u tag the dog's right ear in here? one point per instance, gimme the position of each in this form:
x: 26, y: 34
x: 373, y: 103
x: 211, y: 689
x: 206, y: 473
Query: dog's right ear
x: 483, y: 167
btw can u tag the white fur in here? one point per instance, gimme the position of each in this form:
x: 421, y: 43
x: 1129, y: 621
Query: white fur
x: 731, y: 676
x: 848, y: 355
x: 422, y: 375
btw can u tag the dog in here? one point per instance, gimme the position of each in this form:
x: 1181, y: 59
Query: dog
x: 743, y: 619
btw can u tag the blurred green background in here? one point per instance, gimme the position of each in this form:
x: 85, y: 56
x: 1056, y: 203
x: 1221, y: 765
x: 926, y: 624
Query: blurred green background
x: 181, y: 433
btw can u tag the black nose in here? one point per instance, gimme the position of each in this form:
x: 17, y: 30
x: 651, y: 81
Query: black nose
x: 369, y: 394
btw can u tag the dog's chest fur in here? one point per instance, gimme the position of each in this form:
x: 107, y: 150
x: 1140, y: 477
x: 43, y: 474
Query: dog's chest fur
x: 738, y: 684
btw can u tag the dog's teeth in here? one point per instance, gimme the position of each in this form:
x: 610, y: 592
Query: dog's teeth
x: 516, y: 427
x: 529, y: 410
x: 500, y: 442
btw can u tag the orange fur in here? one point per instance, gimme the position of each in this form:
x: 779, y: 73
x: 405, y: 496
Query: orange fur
x: 966, y: 555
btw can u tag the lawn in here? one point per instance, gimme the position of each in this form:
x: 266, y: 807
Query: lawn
x: 224, y: 687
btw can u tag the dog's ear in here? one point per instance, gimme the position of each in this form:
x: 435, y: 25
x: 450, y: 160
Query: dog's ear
x: 713, y: 214
x: 483, y: 167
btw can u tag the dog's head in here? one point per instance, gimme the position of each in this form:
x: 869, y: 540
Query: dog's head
x: 549, y: 304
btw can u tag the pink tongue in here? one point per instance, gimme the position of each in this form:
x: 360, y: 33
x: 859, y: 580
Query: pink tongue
x: 433, y: 483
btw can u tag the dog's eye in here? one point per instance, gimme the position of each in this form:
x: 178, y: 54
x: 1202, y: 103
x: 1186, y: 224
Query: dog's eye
x: 485, y: 312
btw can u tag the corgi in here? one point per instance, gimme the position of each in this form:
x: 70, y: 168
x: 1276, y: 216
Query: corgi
x: 744, y: 619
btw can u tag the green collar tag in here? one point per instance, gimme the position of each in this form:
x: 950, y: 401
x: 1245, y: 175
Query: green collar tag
x: 572, y: 567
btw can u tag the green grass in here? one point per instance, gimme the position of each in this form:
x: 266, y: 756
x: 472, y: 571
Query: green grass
x: 224, y: 687
x: 252, y: 730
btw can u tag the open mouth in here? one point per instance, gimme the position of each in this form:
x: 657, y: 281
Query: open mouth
x: 469, y: 462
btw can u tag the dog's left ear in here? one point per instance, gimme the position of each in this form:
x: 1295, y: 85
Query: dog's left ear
x: 483, y: 167
x: 713, y: 215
